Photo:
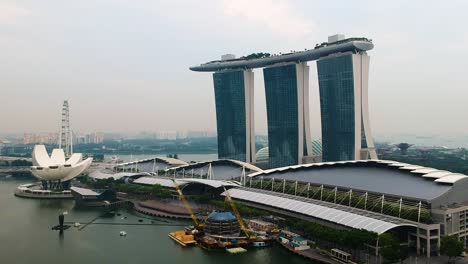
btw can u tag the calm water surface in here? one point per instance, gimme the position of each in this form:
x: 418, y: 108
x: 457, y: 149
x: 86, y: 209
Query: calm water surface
x: 25, y: 237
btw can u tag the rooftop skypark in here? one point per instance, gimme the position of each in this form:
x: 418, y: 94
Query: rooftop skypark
x: 259, y: 60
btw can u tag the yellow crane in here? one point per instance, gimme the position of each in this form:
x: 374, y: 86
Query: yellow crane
x: 187, y: 205
x: 238, y: 216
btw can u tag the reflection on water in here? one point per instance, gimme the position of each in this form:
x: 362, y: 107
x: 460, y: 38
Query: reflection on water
x: 60, y: 204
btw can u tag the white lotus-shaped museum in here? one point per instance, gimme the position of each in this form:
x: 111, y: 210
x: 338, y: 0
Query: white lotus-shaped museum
x: 56, y: 167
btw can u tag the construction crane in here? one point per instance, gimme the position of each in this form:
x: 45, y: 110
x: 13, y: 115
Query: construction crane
x: 198, y: 225
x: 238, y: 216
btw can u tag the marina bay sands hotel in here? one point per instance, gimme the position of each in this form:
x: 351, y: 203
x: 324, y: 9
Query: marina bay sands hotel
x: 343, y: 73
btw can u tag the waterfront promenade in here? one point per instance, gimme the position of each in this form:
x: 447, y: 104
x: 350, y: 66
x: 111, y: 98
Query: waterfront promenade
x: 312, y: 254
x: 154, y: 209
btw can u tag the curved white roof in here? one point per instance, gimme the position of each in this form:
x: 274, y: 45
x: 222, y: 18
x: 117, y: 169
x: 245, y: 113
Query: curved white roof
x: 398, y: 164
x: 40, y: 156
x: 319, y: 211
x: 97, y: 174
x: 236, y: 162
x: 75, y: 158
x: 212, y: 183
x: 78, y: 169
x: 56, y: 167
x: 385, y: 177
x: 170, y: 161
x: 168, y: 182
x: 424, y: 170
x: 57, y: 157
x: 412, y: 167
x: 451, y: 178
x: 437, y: 174
x: 385, y: 161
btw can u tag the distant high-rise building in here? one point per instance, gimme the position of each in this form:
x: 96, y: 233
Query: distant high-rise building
x: 234, y: 114
x: 287, y: 100
x: 89, y: 138
x: 343, y: 84
x: 181, y: 134
x: 200, y: 134
x: 98, y: 137
x: 166, y: 135
x: 40, y: 138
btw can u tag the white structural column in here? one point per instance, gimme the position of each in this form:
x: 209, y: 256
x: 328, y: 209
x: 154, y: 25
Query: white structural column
x: 361, y: 107
x: 357, y: 77
x: 65, y: 135
x: 302, y: 75
x: 249, y: 116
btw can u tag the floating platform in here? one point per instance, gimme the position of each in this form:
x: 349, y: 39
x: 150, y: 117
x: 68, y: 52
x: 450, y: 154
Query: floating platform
x: 61, y: 227
x: 236, y: 250
x: 27, y: 191
x: 182, y: 238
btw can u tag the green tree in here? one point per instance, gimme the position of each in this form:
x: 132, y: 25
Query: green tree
x: 451, y: 247
x: 390, y: 248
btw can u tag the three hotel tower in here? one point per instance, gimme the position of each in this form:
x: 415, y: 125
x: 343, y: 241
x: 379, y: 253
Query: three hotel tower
x: 343, y: 73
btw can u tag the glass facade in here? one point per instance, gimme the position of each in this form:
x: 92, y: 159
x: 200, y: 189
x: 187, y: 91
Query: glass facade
x: 230, y: 114
x: 282, y: 113
x: 336, y: 87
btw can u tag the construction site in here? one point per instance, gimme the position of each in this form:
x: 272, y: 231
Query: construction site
x: 224, y: 230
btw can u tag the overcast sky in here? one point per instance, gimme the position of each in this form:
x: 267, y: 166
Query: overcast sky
x: 123, y: 64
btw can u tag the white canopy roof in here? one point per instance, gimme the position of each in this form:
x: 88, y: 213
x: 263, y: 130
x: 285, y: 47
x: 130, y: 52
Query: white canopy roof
x: 451, y: 178
x: 84, y: 191
x: 349, y: 219
x: 168, y: 182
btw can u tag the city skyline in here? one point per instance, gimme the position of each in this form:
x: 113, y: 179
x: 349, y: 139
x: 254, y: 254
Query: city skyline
x: 134, y: 72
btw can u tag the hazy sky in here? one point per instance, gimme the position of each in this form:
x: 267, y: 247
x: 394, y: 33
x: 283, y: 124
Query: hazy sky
x: 123, y: 64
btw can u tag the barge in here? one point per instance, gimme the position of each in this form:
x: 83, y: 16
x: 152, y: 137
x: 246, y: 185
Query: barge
x: 182, y: 238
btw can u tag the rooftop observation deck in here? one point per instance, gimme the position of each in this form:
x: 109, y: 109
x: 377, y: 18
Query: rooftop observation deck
x: 322, y: 50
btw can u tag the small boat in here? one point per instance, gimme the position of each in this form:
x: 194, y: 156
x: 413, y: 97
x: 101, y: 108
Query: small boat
x: 236, y: 250
x: 123, y: 233
x: 76, y: 224
x: 259, y: 244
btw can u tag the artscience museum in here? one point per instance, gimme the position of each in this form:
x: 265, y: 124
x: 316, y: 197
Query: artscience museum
x: 55, y: 171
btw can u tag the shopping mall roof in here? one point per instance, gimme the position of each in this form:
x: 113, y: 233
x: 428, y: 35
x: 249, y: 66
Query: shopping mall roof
x: 337, y: 214
x: 377, y: 176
